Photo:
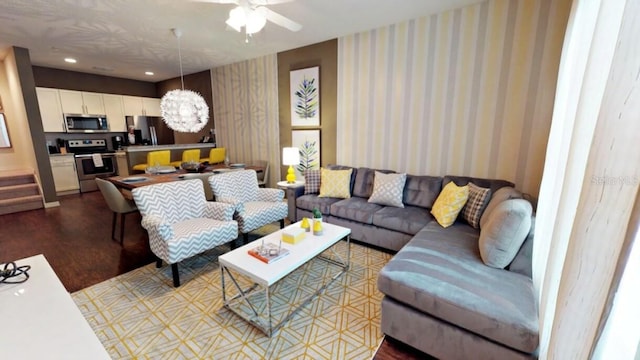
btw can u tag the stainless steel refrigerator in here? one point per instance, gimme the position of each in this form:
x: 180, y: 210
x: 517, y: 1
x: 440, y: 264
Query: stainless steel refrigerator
x: 152, y: 129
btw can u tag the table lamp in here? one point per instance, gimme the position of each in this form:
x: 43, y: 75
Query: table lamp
x: 290, y: 156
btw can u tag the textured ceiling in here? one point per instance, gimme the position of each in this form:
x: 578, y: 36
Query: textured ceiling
x: 125, y: 38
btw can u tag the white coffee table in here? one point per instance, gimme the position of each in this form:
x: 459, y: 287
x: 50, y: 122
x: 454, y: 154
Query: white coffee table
x: 40, y: 320
x: 253, y: 303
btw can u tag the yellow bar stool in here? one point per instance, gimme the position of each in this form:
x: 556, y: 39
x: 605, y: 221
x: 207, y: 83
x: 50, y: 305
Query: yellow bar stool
x: 160, y: 157
x: 216, y: 156
x: 188, y: 156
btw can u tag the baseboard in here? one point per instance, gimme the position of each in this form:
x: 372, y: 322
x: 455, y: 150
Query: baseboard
x: 52, y: 204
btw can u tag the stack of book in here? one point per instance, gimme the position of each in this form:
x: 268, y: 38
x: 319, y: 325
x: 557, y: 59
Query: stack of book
x: 268, y: 254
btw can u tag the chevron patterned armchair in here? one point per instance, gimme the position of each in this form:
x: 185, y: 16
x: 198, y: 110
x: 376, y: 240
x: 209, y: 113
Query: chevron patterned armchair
x: 181, y: 222
x: 254, y: 206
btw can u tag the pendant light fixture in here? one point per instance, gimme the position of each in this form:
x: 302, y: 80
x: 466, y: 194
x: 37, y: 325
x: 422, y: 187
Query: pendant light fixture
x: 183, y: 110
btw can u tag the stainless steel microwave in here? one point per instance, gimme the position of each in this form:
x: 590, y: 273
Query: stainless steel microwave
x: 86, y: 123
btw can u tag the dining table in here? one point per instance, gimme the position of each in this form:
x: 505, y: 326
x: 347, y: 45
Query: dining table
x: 166, y: 174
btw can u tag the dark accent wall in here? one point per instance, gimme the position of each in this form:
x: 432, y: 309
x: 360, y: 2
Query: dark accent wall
x: 200, y: 83
x: 72, y: 80
x: 27, y: 84
x: 324, y: 55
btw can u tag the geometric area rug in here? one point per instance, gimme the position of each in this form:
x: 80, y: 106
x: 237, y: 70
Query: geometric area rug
x: 140, y: 315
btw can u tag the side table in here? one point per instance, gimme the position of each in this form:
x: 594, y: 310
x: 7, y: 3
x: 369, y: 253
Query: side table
x: 289, y: 191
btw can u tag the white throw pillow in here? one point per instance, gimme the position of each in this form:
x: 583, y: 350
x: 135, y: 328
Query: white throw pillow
x: 388, y: 189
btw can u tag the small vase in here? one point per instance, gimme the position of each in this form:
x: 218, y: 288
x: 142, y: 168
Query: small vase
x: 317, y: 226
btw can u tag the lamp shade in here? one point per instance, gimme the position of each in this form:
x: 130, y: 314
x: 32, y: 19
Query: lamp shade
x: 290, y: 156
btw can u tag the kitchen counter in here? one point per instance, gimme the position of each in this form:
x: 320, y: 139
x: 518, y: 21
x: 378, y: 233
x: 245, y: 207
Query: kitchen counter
x: 147, y: 148
x: 137, y: 154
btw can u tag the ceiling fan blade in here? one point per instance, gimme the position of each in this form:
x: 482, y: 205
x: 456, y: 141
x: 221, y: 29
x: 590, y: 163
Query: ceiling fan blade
x: 268, y: 2
x: 278, y: 19
x: 218, y: 1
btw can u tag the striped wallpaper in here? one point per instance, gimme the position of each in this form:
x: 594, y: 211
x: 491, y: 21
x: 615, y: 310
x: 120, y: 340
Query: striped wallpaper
x: 245, y: 111
x: 465, y: 92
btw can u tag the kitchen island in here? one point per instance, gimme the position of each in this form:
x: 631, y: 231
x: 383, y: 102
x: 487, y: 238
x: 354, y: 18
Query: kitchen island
x: 137, y: 154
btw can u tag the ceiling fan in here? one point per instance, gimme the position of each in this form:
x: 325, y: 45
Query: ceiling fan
x: 253, y: 15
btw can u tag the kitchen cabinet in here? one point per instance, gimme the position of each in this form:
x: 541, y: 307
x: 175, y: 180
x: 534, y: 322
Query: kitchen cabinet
x: 114, y: 109
x: 65, y: 175
x: 136, y: 105
x: 80, y: 102
x: 151, y: 106
x: 50, y: 109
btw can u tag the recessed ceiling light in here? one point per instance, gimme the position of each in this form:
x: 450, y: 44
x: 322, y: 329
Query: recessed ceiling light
x: 148, y: 73
x: 71, y: 60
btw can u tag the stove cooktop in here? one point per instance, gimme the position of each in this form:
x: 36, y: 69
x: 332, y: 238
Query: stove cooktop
x: 88, y: 146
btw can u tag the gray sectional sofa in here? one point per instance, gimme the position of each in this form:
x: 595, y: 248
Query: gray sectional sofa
x: 440, y: 296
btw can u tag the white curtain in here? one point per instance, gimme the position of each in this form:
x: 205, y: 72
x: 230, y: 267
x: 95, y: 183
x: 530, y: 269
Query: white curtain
x: 587, y: 189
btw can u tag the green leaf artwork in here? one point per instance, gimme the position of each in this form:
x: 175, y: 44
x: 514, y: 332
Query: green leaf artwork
x: 307, y: 94
x: 308, y: 156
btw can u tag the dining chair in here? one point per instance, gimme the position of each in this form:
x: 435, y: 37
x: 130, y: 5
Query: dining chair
x: 159, y: 157
x: 254, y: 206
x: 118, y: 205
x: 191, y: 155
x: 216, y: 156
x: 181, y: 223
x: 263, y: 176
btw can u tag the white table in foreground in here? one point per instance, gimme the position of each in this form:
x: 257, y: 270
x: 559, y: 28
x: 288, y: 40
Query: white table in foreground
x: 40, y: 320
x: 264, y: 275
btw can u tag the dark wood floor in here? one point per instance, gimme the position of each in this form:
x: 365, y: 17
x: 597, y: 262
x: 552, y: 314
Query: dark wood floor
x: 76, y: 240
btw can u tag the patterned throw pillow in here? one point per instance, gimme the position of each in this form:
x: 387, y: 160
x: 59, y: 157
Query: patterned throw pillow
x: 477, y: 202
x: 388, y: 189
x: 311, y: 181
x: 335, y: 183
x: 449, y: 203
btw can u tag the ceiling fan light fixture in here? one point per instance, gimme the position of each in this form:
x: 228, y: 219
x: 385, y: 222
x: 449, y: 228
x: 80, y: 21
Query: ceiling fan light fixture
x: 237, y: 18
x: 255, y: 22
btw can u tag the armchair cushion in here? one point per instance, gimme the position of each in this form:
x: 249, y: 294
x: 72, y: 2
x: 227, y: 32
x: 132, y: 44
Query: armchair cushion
x: 259, y: 213
x: 194, y: 236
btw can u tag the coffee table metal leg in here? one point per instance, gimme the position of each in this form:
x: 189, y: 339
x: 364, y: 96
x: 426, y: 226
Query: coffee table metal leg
x: 345, y: 264
x: 242, y: 293
x: 268, y: 299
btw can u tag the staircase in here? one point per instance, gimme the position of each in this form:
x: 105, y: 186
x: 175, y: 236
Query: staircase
x: 19, y: 191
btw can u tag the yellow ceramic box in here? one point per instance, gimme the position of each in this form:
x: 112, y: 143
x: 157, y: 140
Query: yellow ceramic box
x: 293, y: 234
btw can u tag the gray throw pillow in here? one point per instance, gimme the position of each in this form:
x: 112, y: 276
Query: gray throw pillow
x: 505, y: 231
x: 388, y: 189
x: 497, y: 197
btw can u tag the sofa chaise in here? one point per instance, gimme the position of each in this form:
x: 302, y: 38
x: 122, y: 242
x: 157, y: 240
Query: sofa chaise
x: 456, y: 292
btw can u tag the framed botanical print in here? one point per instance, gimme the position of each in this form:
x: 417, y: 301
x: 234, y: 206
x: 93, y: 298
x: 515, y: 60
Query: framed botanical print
x: 305, y: 97
x: 308, y: 144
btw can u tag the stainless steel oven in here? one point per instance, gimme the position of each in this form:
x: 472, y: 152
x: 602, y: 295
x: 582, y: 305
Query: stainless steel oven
x: 93, y: 160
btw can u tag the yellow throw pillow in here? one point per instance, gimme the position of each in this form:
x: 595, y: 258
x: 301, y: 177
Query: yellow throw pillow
x: 335, y: 183
x: 449, y: 203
